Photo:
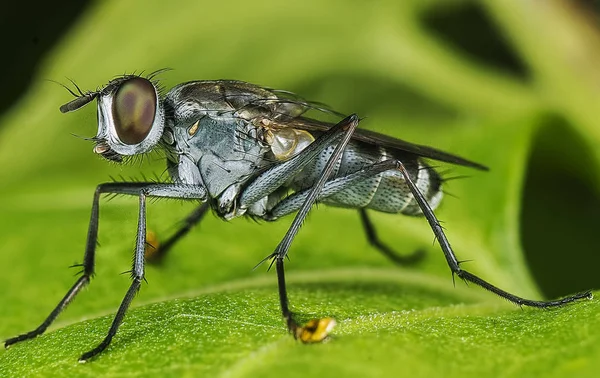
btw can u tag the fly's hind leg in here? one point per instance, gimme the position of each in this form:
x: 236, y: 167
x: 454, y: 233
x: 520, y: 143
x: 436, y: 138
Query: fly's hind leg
x: 454, y: 264
x: 388, y: 252
x: 156, y: 251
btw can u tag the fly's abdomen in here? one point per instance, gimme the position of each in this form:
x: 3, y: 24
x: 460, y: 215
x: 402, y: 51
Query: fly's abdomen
x: 386, y: 192
x: 394, y: 196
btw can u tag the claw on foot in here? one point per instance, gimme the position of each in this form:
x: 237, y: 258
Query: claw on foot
x: 316, y: 330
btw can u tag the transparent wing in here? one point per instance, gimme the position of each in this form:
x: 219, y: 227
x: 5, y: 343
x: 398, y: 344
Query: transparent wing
x: 385, y: 141
x: 285, y: 110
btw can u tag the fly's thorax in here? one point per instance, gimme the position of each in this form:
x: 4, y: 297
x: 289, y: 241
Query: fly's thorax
x: 221, y: 152
x: 262, y: 112
x: 244, y: 100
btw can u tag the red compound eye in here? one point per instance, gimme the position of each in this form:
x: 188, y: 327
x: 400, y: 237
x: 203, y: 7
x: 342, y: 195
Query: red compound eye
x: 134, y: 109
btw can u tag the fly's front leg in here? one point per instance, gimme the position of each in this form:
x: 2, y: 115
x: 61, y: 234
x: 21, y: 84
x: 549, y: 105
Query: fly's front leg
x: 454, y: 264
x: 369, y: 228
x: 155, y: 252
x: 137, y: 275
x: 142, y: 190
x: 88, y: 264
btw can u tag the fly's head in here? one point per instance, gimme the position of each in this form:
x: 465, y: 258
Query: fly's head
x: 131, y: 117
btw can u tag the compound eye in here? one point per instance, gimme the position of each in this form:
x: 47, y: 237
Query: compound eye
x: 134, y: 109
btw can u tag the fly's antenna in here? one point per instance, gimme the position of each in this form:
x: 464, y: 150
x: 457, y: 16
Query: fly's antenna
x: 81, y: 98
x: 79, y: 102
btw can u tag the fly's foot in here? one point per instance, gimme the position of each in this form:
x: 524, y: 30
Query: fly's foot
x: 315, y: 330
x: 152, y: 253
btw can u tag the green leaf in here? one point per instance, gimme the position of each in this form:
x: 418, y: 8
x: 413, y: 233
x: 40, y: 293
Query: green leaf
x: 205, y: 311
x: 222, y: 331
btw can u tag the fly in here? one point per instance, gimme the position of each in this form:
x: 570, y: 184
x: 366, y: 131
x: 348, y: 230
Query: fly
x: 244, y: 150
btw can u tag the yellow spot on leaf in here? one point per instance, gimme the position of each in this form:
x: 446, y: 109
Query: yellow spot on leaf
x: 316, y: 330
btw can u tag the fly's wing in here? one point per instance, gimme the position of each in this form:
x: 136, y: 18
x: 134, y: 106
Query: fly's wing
x: 285, y: 109
x: 385, y: 141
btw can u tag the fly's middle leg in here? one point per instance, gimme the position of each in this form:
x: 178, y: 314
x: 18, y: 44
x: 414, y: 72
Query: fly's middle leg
x: 272, y: 179
x: 316, y: 329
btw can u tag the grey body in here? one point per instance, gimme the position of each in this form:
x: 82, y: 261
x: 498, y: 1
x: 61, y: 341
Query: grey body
x: 216, y: 136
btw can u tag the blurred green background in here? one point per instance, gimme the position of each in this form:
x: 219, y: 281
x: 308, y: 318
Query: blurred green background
x: 511, y: 84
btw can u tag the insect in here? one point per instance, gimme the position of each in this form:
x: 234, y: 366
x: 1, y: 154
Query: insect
x: 244, y: 150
